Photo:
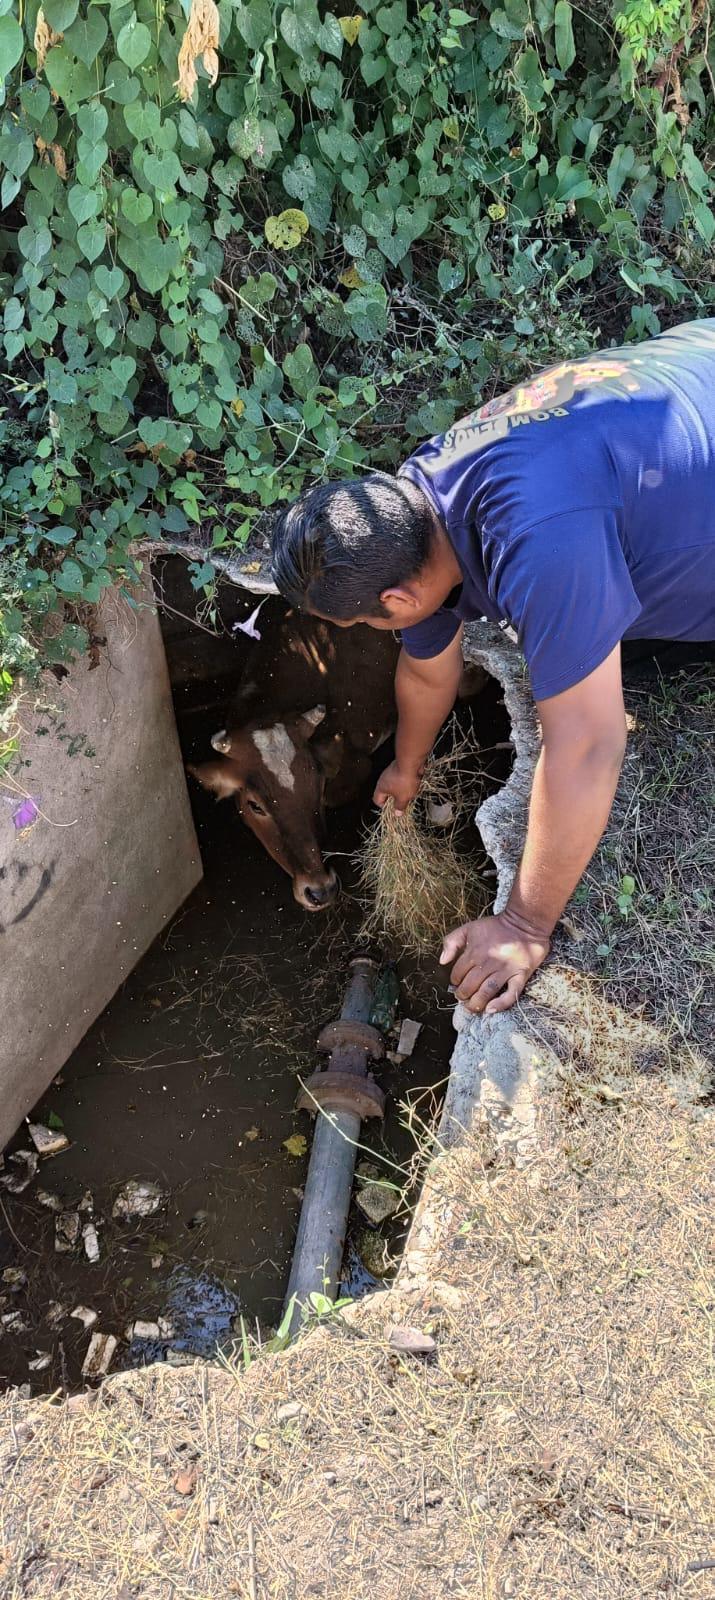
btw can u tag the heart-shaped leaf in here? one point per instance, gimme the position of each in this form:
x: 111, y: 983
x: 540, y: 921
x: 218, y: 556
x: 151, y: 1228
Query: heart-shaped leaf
x: 91, y: 238
x: 60, y: 13
x: 162, y: 171
x: 137, y: 207
x: 11, y: 45
x: 133, y: 43
x: 83, y: 203
x: 143, y: 119
x: 152, y: 430
x: 109, y: 280
x: 87, y: 35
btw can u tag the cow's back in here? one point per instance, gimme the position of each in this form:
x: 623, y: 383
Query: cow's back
x: 301, y: 661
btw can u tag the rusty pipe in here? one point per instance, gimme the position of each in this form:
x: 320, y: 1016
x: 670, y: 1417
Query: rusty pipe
x: 341, y: 1095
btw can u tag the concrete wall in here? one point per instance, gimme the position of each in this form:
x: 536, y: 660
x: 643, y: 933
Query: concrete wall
x: 97, y: 848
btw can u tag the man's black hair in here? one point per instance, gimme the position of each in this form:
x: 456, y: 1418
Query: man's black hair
x: 336, y: 548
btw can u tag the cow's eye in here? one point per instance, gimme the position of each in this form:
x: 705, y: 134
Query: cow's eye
x: 259, y: 810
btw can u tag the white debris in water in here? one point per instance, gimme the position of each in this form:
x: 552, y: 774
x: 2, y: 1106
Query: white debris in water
x: 85, y: 1315
x: 14, y: 1278
x: 99, y: 1355
x: 47, y: 1141
x: 166, y: 1328
x: 13, y: 1322
x: 91, y: 1242
x: 55, y: 1313
x: 138, y: 1199
x: 86, y: 1204
x: 409, y: 1034
x: 51, y: 1201
x: 440, y: 812
x: 24, y: 1163
x: 141, y: 1330
x: 41, y: 1360
x: 156, y: 1261
x: 66, y: 1230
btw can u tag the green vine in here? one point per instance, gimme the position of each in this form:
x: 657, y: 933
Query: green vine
x: 215, y: 291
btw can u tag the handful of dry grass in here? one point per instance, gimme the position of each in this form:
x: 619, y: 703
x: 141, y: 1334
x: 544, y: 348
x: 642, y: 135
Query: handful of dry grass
x: 415, y: 884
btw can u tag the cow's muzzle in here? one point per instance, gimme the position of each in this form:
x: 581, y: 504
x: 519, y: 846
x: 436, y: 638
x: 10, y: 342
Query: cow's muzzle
x: 317, y: 892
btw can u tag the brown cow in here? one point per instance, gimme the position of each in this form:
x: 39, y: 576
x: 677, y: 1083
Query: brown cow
x: 313, y: 706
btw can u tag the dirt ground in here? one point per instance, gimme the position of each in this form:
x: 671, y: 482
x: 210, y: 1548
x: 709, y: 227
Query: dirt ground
x: 560, y: 1439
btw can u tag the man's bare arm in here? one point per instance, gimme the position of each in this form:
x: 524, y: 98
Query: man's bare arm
x: 425, y: 692
x: 584, y: 734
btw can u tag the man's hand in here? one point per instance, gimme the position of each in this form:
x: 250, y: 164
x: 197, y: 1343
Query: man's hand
x: 399, y: 785
x: 494, y: 953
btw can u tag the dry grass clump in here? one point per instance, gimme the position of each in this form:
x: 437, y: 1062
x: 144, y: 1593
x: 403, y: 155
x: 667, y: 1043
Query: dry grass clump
x: 415, y: 882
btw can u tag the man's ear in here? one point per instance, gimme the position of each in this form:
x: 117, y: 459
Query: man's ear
x: 216, y: 775
x: 400, y: 600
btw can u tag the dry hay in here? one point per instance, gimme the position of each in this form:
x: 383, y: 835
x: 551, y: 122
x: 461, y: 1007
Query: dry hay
x: 415, y: 882
x: 200, y: 39
x: 654, y: 950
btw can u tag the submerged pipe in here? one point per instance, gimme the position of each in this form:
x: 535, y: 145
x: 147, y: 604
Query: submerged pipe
x: 341, y: 1095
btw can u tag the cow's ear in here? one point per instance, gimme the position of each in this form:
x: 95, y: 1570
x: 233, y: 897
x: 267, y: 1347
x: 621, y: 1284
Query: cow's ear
x: 327, y: 751
x: 310, y: 720
x: 216, y: 775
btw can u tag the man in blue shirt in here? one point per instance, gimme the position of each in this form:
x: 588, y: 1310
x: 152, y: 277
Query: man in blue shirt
x: 580, y: 508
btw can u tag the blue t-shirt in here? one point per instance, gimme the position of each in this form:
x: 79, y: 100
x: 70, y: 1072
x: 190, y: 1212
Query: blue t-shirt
x: 581, y: 507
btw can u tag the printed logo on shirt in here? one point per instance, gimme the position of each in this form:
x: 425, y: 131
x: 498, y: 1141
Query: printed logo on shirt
x: 546, y: 396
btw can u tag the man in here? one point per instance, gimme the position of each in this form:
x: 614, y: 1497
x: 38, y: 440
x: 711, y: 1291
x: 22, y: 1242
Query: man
x: 580, y: 508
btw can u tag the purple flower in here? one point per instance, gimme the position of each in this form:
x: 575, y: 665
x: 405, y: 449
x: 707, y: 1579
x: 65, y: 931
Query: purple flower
x: 27, y: 812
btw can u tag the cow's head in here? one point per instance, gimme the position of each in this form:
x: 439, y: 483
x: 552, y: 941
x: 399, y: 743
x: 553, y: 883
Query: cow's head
x: 276, y: 772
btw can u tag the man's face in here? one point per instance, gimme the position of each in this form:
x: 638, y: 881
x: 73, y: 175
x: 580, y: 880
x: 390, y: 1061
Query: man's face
x: 403, y: 611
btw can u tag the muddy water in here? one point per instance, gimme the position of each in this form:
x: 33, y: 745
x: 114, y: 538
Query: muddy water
x: 189, y: 1080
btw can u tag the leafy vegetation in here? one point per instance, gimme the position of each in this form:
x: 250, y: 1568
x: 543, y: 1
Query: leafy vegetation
x: 250, y: 244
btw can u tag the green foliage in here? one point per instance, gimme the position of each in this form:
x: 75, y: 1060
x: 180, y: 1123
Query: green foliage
x: 370, y: 220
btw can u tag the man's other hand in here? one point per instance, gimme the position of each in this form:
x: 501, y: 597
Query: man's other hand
x: 493, y: 954
x: 402, y: 787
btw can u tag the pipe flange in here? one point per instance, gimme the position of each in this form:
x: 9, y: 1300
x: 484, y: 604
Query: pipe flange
x: 354, y: 1035
x: 342, y: 1091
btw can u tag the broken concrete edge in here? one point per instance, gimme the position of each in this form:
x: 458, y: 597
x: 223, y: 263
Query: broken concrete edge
x: 238, y: 567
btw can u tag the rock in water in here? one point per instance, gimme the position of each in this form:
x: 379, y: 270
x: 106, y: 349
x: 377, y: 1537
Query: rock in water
x: 377, y: 1199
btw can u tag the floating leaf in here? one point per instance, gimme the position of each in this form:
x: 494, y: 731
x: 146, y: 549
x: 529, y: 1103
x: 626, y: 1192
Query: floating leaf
x: 296, y: 1145
x: 286, y: 230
